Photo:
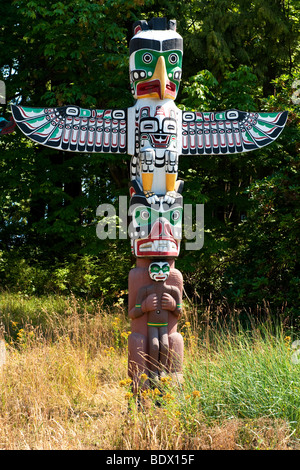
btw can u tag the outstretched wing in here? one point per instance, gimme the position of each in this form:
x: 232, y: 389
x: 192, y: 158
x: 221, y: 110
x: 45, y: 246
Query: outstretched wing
x: 229, y: 131
x: 7, y: 127
x: 75, y: 129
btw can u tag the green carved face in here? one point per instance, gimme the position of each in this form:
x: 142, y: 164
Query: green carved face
x: 159, y: 270
x: 156, y: 74
x: 144, y: 216
x: 155, y: 61
x: 155, y: 231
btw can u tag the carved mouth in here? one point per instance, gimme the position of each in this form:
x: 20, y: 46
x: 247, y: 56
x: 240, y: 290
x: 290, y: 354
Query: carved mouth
x: 160, y: 278
x: 159, y: 247
x: 170, y: 89
x: 160, y: 140
x: 153, y: 88
x: 148, y: 87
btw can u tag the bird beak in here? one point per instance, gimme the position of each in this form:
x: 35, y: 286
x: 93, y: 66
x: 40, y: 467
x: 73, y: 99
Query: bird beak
x: 160, y: 73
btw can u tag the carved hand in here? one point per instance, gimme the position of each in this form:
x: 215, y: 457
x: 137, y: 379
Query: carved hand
x: 168, y: 302
x: 150, y: 303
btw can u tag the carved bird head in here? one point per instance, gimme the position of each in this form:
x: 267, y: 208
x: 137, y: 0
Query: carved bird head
x: 155, y: 62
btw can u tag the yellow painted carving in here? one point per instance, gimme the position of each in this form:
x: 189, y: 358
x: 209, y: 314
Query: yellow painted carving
x: 147, y: 179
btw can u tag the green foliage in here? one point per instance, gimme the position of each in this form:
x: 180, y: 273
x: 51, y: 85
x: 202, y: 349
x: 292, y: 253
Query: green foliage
x: 82, y: 275
x: 246, y: 377
x: 269, y: 238
x: 253, y: 258
x: 238, y: 89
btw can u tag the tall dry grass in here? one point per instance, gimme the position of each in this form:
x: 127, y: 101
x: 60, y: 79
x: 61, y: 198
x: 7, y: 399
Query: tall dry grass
x: 64, y: 384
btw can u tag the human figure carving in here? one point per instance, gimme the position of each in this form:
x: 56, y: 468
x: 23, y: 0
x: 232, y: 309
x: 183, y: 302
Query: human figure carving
x: 158, y: 300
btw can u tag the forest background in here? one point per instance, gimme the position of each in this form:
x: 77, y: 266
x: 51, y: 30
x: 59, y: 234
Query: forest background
x: 237, y: 54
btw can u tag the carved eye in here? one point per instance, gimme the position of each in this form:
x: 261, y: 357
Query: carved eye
x: 142, y: 217
x: 175, y: 215
x: 149, y: 125
x: 154, y: 268
x: 147, y: 58
x: 169, y: 126
x: 173, y: 58
x: 145, y: 215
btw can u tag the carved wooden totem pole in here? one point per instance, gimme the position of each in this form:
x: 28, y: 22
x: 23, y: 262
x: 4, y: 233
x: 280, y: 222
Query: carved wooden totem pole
x: 155, y: 132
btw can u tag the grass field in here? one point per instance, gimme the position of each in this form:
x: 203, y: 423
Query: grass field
x: 65, y: 386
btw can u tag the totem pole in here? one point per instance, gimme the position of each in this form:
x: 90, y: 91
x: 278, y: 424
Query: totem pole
x: 154, y: 132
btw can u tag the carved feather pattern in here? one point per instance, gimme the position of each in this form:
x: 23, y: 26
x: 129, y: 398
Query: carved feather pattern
x: 229, y: 131
x: 74, y: 129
